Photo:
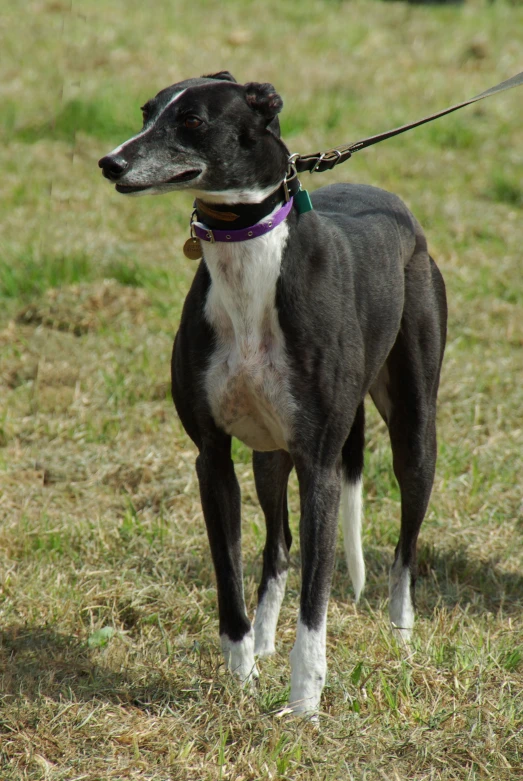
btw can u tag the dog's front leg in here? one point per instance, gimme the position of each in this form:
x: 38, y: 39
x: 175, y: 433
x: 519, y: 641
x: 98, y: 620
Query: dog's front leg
x: 320, y: 496
x: 220, y: 494
x: 271, y: 475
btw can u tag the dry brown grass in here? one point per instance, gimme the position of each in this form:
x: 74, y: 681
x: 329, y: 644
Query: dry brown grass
x: 101, y: 525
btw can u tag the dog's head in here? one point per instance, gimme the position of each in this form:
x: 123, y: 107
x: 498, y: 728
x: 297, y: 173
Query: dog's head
x: 210, y: 135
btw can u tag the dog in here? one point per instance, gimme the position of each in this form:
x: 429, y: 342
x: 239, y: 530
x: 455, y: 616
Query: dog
x: 293, y: 317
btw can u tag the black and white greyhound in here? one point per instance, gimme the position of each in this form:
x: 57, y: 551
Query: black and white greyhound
x: 292, y: 318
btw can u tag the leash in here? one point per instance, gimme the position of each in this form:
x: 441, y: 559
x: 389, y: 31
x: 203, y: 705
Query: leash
x: 325, y: 161
x: 294, y: 194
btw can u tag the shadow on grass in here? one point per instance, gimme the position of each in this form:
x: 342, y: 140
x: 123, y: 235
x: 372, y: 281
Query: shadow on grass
x: 38, y: 662
x: 446, y: 577
x: 480, y: 585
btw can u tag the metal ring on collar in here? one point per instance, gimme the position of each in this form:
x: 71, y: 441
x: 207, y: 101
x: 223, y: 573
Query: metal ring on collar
x: 292, y: 173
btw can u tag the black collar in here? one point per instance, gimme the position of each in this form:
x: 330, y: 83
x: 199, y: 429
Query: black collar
x: 235, y: 216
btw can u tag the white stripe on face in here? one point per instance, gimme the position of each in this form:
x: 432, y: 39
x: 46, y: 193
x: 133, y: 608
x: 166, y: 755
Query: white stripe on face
x: 146, y: 130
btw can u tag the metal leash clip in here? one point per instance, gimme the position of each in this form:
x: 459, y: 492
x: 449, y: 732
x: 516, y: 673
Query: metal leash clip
x: 292, y: 173
x: 302, y: 201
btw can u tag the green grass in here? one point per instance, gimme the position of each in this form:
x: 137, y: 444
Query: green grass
x: 110, y: 665
x: 25, y: 277
x: 28, y: 276
x: 94, y: 118
x: 506, y: 189
x: 451, y: 133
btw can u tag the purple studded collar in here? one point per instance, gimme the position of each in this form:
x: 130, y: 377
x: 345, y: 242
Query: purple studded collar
x: 267, y: 224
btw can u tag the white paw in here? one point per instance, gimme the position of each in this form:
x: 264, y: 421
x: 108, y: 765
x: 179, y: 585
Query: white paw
x: 402, y: 635
x: 239, y: 658
x: 308, y: 670
x: 401, y: 609
x: 288, y: 712
x: 267, y: 616
x: 263, y: 648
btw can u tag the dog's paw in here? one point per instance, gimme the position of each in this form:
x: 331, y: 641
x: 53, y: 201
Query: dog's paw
x: 296, y: 711
x: 249, y: 681
x: 308, y: 671
x: 267, y: 614
x: 401, y: 608
x: 239, y: 658
x: 262, y: 648
x: 402, y: 635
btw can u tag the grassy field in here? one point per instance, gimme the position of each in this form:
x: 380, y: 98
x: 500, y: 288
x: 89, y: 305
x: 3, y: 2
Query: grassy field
x: 109, y: 656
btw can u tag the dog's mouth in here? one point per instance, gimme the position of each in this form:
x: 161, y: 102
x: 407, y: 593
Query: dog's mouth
x: 186, y: 176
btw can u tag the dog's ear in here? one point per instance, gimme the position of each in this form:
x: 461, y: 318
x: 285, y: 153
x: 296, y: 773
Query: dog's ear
x: 264, y: 99
x: 221, y: 76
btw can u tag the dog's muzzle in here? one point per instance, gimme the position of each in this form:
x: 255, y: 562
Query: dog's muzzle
x: 113, y: 167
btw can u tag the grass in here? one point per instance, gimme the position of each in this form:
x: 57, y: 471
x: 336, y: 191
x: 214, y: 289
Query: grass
x: 93, y: 118
x: 506, y: 189
x: 109, y: 656
x: 28, y: 277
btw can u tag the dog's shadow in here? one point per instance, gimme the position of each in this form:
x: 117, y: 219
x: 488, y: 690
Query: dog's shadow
x: 446, y: 578
x: 38, y: 662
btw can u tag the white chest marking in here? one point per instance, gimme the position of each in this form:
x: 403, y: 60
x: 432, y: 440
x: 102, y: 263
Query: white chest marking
x: 247, y: 377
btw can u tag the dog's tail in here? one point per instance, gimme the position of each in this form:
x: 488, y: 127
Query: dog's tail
x: 351, y: 503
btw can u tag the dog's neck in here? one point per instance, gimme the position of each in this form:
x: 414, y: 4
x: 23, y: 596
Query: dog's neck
x: 236, y: 216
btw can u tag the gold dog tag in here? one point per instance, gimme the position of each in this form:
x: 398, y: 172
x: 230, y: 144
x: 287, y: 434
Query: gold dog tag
x: 192, y: 249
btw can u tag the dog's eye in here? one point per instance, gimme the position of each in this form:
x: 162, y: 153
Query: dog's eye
x: 191, y: 122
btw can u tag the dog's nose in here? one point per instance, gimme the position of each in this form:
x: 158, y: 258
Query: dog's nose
x: 113, y: 166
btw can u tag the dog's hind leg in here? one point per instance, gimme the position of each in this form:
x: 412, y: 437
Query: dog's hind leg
x: 405, y: 394
x: 271, y: 474
x: 351, y: 501
x: 220, y: 494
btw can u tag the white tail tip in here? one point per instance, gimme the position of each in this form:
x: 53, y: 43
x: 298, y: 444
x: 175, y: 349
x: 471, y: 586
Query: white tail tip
x: 351, y: 506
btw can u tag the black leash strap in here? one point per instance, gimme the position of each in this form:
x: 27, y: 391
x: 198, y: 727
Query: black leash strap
x: 324, y: 161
